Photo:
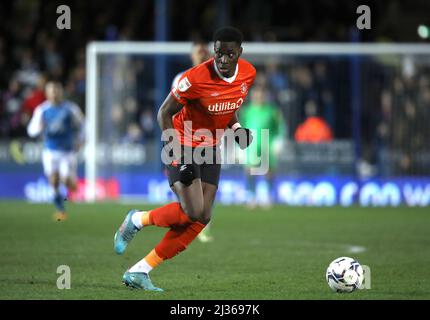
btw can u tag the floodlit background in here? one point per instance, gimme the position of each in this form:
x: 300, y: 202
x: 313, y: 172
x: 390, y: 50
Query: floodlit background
x: 354, y: 114
x: 375, y: 106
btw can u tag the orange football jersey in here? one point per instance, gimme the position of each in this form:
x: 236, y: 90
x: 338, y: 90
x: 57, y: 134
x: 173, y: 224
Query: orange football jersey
x: 210, y: 101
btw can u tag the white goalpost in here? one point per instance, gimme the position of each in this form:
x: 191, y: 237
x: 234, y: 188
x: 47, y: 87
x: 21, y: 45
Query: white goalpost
x: 95, y: 50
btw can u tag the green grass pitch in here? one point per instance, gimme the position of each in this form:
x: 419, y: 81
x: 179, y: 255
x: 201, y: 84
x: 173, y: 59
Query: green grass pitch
x: 280, y: 253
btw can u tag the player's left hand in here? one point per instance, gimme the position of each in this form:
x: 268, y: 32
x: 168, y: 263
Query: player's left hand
x: 243, y: 137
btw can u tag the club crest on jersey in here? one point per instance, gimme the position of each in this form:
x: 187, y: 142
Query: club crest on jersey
x: 244, y: 88
x: 184, y: 85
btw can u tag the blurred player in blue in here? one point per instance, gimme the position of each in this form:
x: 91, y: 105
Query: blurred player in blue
x: 60, y: 123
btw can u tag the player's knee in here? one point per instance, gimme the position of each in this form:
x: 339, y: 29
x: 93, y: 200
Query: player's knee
x: 54, y: 179
x: 71, y: 184
x: 205, y: 217
x: 195, y: 214
x: 194, y: 211
x: 204, y: 220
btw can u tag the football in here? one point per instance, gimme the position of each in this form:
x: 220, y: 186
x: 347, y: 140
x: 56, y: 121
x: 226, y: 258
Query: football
x: 344, y: 275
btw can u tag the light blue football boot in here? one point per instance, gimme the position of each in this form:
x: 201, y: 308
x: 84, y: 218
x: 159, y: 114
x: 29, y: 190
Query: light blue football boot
x: 139, y: 280
x: 125, y: 233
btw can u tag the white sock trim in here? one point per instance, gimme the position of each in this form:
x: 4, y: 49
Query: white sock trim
x: 141, y: 266
x: 136, y: 218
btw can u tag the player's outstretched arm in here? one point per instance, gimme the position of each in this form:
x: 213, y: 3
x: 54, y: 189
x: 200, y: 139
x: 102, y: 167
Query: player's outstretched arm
x: 35, y: 125
x: 168, y: 109
x: 79, y: 122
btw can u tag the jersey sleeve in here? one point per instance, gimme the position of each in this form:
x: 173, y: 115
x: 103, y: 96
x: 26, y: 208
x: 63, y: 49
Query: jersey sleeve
x: 35, y: 126
x: 78, y: 120
x: 176, y: 80
x: 186, y: 89
x: 77, y: 113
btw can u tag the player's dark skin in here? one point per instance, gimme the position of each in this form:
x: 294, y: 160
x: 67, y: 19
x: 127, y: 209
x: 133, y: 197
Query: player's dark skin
x: 226, y: 56
x: 197, y: 199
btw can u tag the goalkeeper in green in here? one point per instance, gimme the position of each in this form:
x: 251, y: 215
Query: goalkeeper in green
x: 257, y: 116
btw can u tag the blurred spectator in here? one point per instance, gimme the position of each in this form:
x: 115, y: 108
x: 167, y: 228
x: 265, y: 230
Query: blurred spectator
x: 133, y: 135
x: 407, y: 138
x: 3, y: 67
x: 147, y: 123
x: 12, y: 101
x: 52, y: 58
x: 395, y: 106
x: 386, y: 117
x: 324, y: 88
x: 314, y: 129
x: 276, y: 79
x: 28, y: 73
x: 400, y: 143
x: 35, y: 97
x: 117, y: 122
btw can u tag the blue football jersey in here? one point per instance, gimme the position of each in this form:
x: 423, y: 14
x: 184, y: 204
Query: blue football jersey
x: 60, y: 125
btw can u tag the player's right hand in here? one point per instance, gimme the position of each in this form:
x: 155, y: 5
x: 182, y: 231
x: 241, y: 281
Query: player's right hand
x: 243, y: 137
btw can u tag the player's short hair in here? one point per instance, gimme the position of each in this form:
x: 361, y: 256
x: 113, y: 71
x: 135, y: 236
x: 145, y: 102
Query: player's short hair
x: 228, y: 34
x: 54, y: 81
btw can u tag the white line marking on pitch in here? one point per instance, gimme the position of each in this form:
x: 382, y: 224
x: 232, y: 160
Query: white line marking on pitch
x: 350, y: 248
x: 355, y: 249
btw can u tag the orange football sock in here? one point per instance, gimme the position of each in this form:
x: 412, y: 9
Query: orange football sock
x: 170, y: 215
x: 153, y: 259
x: 177, y: 239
